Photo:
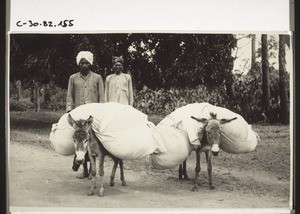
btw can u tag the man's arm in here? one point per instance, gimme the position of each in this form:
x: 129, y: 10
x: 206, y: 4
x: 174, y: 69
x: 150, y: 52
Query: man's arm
x: 106, y: 89
x: 130, y: 91
x: 70, y: 93
x: 101, y: 90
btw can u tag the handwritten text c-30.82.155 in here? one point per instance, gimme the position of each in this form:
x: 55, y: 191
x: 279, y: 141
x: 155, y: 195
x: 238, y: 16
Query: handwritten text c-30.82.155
x: 62, y: 23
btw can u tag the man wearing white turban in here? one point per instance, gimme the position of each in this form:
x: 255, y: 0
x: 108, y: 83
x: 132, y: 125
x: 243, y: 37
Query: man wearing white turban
x: 84, y: 86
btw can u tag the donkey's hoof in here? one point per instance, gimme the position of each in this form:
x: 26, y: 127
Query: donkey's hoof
x: 112, y: 183
x: 82, y: 176
x: 91, y: 192
x: 212, y: 186
x: 124, y: 183
x: 101, y: 192
x: 195, y: 189
x: 186, y: 177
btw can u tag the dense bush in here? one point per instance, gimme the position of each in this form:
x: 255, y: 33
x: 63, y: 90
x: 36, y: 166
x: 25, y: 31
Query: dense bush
x: 247, y: 100
x: 164, y: 101
x: 21, y: 105
x: 54, y: 97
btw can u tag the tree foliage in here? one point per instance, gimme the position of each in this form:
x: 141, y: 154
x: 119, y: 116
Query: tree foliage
x: 154, y: 60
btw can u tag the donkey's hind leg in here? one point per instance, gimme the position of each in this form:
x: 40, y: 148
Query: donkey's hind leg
x: 122, y: 172
x: 197, y: 170
x: 180, y: 172
x: 185, y: 175
x: 113, y: 172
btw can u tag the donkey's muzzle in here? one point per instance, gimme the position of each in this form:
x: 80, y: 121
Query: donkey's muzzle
x: 76, y: 165
x: 79, y: 161
x: 215, y: 153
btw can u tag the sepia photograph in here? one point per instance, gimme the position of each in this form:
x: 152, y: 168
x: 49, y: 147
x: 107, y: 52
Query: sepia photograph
x: 150, y: 120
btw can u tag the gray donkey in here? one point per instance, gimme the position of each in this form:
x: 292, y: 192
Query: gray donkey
x: 85, y: 141
x: 210, y: 141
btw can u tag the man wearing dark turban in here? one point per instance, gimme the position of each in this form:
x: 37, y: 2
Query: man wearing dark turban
x: 118, y: 86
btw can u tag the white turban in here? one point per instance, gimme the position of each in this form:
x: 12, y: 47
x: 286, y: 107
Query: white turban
x: 84, y: 55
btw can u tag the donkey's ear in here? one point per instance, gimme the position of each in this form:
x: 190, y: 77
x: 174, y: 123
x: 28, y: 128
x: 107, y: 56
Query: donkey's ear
x: 89, y: 121
x: 202, y: 120
x: 71, y: 121
x: 222, y: 121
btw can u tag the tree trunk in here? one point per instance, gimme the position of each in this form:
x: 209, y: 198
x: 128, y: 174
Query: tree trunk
x: 19, y: 96
x: 265, y: 74
x: 253, y: 51
x: 230, y: 87
x: 37, y: 97
x: 284, y: 103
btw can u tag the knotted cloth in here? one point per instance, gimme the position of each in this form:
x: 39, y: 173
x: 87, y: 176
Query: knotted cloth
x: 84, y: 55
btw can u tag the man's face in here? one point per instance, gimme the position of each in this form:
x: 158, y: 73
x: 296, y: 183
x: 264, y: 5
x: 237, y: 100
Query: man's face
x: 118, y: 67
x: 84, y: 66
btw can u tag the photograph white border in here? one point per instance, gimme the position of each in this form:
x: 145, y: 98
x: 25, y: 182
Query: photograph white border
x: 275, y: 20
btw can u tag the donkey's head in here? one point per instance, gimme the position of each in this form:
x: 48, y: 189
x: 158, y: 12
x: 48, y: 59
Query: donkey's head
x: 212, y: 129
x: 81, y: 136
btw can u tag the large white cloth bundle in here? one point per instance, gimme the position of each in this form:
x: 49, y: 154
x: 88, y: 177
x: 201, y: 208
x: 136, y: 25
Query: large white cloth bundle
x: 237, y: 136
x: 177, y: 145
x: 123, y: 130
x: 61, y: 137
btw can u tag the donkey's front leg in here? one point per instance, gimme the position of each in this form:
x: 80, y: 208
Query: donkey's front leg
x: 197, y: 169
x: 101, y: 172
x: 93, y: 174
x: 209, y: 168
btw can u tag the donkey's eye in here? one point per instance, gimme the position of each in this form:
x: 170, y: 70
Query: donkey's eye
x: 85, y: 141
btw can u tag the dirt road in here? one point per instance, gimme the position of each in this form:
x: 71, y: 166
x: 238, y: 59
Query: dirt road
x: 39, y: 177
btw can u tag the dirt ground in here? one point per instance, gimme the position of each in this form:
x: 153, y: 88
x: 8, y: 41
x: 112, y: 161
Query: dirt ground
x: 39, y: 177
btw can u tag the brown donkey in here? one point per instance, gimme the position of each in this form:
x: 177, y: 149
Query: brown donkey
x: 85, y: 141
x: 210, y: 141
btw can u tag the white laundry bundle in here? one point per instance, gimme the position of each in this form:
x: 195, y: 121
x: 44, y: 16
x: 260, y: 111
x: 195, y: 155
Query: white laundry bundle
x: 127, y: 134
x: 61, y: 137
x: 123, y: 130
x: 178, y: 132
x: 177, y: 147
x: 237, y: 136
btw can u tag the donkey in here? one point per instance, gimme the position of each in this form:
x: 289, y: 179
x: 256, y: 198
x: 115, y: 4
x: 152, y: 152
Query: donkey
x: 210, y: 141
x: 85, y: 141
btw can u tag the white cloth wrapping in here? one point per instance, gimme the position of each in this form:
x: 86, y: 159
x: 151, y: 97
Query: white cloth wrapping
x: 237, y: 136
x: 61, y: 137
x: 177, y: 145
x: 179, y: 132
x: 124, y: 131
x: 85, y: 55
x: 127, y: 134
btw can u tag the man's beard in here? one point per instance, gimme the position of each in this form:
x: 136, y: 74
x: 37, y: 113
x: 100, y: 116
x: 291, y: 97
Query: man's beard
x: 84, y: 71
